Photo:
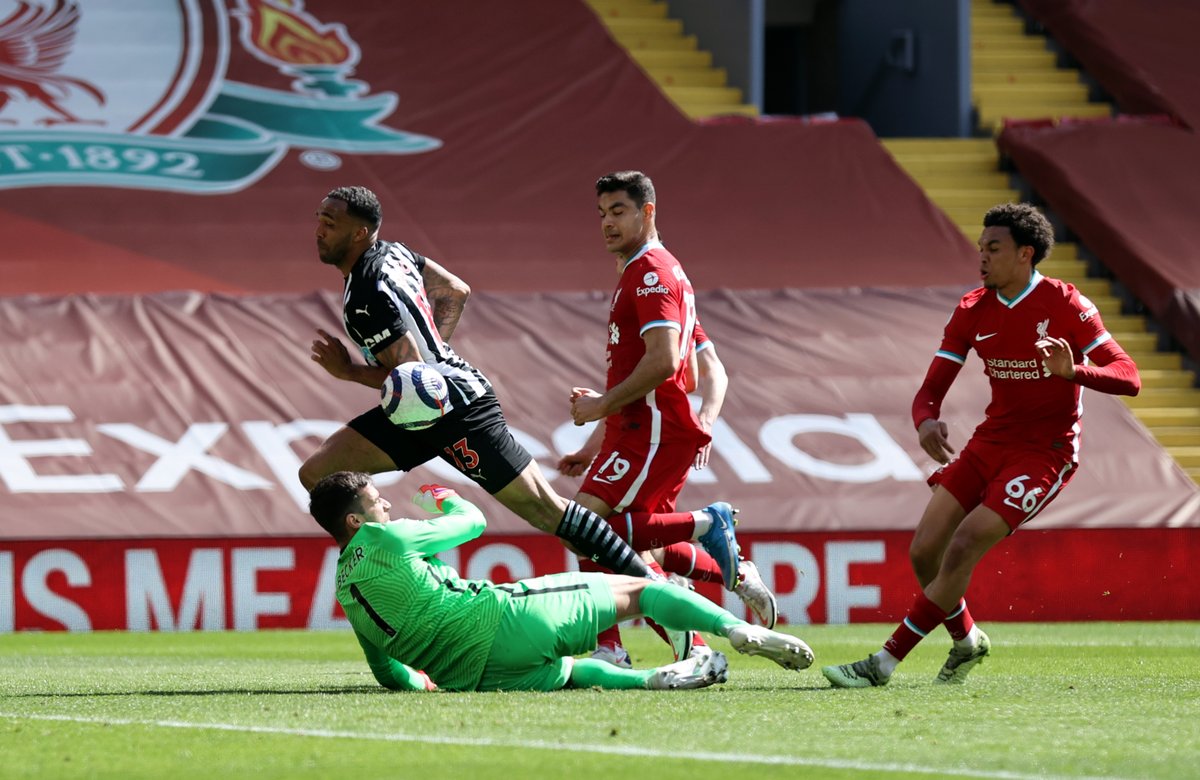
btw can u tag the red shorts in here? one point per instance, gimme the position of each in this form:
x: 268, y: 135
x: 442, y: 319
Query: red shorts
x: 630, y: 474
x: 1016, y: 482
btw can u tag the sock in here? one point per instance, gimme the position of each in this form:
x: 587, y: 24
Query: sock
x: 959, y: 622
x: 922, y: 618
x: 591, y: 536
x: 680, y: 609
x: 692, y: 562
x: 589, y: 673
x: 646, y: 530
x: 887, y: 662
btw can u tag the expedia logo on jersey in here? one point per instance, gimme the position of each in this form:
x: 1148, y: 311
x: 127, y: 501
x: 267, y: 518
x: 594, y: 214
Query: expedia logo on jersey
x: 652, y: 286
x: 87, y: 99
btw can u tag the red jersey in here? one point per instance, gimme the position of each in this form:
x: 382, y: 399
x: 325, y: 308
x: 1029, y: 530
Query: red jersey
x: 1028, y: 405
x: 653, y: 292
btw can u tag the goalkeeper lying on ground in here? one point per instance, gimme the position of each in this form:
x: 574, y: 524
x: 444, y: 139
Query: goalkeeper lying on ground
x: 412, y: 612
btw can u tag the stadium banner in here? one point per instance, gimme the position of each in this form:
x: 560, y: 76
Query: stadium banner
x: 270, y: 583
x: 219, y: 125
x: 184, y: 415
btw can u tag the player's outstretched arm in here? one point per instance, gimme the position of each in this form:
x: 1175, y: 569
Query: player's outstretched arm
x: 461, y: 521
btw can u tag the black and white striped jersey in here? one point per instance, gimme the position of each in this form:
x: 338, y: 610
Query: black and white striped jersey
x: 384, y: 298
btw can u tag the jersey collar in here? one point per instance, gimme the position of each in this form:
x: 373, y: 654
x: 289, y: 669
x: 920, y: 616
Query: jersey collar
x: 653, y: 243
x: 1034, y: 279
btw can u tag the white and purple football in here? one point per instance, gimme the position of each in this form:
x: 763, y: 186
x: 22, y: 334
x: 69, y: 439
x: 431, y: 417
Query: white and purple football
x: 414, y: 396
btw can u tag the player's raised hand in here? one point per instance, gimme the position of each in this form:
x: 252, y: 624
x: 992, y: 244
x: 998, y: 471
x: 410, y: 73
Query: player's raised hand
x: 331, y: 354
x: 1057, y: 356
x: 933, y: 435
x: 430, y: 497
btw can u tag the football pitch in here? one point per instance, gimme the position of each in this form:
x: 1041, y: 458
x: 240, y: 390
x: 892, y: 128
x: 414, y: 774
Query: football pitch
x: 1104, y: 700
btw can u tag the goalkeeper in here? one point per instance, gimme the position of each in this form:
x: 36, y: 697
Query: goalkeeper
x: 412, y: 612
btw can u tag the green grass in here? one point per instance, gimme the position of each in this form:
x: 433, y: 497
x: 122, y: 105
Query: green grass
x: 1058, y: 700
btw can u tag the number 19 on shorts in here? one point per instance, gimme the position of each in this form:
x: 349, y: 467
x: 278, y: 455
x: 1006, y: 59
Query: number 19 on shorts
x: 613, y: 470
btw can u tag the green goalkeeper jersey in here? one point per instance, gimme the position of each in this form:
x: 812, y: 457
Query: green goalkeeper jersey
x: 410, y: 609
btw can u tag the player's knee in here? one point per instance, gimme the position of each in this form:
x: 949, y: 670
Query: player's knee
x: 923, y: 557
x: 961, y: 554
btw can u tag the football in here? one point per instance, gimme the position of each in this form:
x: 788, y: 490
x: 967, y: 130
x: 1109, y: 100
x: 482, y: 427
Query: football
x: 414, y: 396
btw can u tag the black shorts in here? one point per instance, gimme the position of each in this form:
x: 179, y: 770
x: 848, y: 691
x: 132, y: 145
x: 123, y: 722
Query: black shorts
x: 475, y: 440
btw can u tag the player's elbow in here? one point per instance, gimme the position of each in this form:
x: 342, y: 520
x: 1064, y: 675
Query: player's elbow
x: 666, y: 365
x: 1135, y: 384
x: 1133, y: 378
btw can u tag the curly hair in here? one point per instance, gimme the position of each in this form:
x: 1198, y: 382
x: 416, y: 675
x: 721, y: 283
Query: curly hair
x: 334, y: 497
x: 1028, y: 226
x: 360, y: 202
x: 635, y: 183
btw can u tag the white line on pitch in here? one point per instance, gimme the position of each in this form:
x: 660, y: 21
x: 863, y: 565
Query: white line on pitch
x: 608, y: 750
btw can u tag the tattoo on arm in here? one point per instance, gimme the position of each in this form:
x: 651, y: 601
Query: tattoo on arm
x: 447, y: 295
x: 402, y: 350
x: 447, y: 309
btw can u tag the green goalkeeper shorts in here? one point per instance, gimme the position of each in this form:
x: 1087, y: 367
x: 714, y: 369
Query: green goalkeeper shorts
x: 546, y: 620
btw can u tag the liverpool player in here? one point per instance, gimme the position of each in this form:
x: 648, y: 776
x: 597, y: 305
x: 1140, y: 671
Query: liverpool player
x: 651, y: 434
x: 1035, y: 336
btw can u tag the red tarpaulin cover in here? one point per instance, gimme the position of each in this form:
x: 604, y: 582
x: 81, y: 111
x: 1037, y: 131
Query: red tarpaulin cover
x: 1129, y: 191
x: 1143, y: 54
x: 524, y: 116
x: 187, y: 415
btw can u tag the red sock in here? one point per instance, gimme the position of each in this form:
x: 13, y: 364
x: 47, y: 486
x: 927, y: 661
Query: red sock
x: 693, y: 562
x: 959, y: 621
x: 645, y: 531
x: 610, y: 637
x: 922, y: 618
x: 662, y: 633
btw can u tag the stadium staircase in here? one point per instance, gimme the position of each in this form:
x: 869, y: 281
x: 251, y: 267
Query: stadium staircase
x: 674, y: 61
x: 1014, y: 76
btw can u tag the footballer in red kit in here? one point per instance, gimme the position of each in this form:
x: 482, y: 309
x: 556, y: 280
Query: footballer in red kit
x: 1032, y: 413
x: 651, y: 435
x: 1029, y: 331
x: 654, y: 292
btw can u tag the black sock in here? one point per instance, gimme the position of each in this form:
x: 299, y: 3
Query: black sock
x: 590, y: 535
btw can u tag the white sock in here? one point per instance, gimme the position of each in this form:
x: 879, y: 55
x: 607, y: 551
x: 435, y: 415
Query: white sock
x: 971, y: 639
x: 887, y: 662
x: 703, y: 521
